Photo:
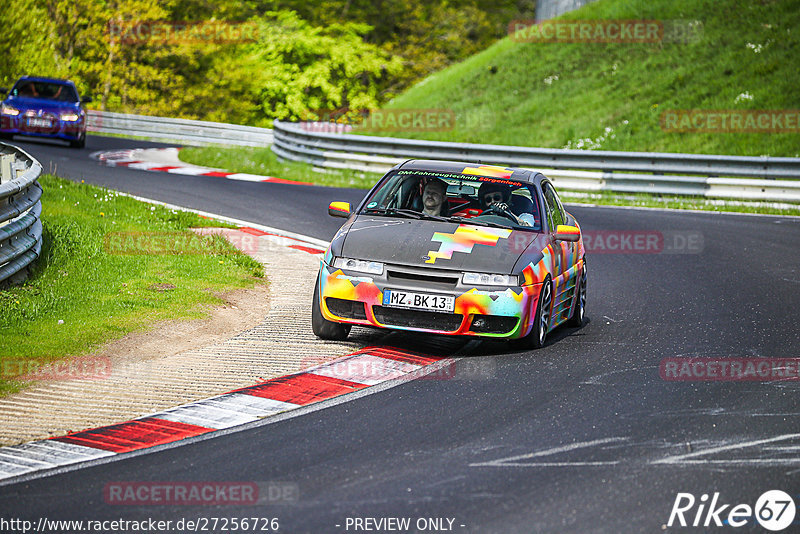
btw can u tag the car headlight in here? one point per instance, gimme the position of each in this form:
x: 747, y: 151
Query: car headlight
x: 360, y: 266
x: 8, y: 110
x: 489, y: 279
x: 69, y: 117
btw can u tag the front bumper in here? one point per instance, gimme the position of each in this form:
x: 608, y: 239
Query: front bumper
x: 357, y: 298
x: 66, y: 130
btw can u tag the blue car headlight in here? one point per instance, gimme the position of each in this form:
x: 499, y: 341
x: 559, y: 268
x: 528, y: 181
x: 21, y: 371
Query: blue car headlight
x: 69, y: 116
x: 5, y: 109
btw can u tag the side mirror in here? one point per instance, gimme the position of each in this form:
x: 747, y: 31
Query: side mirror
x: 339, y: 209
x: 567, y: 233
x: 86, y: 99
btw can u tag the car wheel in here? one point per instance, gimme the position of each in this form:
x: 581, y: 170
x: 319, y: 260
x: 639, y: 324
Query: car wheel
x: 80, y: 143
x: 323, y: 328
x: 580, y: 308
x: 535, y: 340
x: 6, y: 136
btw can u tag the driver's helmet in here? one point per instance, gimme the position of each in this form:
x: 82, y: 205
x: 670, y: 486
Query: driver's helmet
x: 490, y: 187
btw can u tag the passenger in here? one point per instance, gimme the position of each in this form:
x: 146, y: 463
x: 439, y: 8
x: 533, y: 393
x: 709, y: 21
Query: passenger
x: 491, y: 193
x: 28, y: 90
x: 522, y: 207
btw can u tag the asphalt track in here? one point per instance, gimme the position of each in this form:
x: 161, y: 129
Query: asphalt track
x: 580, y: 436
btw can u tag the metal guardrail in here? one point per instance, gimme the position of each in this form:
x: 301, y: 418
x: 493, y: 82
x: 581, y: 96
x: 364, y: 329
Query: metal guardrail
x: 186, y: 131
x: 20, y: 213
x: 727, y: 177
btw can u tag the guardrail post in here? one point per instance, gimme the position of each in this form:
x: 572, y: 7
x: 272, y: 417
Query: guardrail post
x: 6, y: 167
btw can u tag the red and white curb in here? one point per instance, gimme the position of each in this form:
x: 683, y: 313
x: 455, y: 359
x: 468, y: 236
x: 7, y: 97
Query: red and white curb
x: 167, y: 160
x: 347, y: 374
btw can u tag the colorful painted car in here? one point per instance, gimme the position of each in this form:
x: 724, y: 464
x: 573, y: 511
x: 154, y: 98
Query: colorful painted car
x: 500, y: 259
x: 44, y: 107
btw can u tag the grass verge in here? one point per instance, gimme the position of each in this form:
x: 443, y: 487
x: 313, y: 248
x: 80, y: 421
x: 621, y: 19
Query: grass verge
x: 264, y: 162
x: 83, y: 291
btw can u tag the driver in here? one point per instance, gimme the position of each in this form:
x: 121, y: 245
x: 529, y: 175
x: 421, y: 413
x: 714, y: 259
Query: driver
x: 433, y: 196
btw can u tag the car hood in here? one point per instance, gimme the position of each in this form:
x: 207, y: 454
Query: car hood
x: 437, y: 244
x: 41, y: 104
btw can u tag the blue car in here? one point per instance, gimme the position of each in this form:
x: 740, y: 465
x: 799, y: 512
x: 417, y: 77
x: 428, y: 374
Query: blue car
x: 44, y: 107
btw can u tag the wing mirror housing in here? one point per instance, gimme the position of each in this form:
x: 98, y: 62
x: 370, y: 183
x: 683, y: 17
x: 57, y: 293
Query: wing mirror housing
x: 566, y: 232
x: 339, y: 209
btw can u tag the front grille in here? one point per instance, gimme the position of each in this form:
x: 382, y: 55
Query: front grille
x: 347, y: 309
x: 446, y: 322
x: 493, y: 324
x: 431, y: 280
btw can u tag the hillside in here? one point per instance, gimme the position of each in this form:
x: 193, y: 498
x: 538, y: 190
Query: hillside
x: 745, y: 55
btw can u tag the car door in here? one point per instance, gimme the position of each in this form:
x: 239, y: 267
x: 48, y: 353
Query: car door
x: 564, y: 252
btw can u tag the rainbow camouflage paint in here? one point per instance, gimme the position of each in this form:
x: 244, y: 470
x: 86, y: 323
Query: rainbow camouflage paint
x: 467, y: 271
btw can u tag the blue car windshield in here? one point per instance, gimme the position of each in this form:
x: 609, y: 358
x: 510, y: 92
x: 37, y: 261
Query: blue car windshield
x: 46, y: 90
x: 468, y: 198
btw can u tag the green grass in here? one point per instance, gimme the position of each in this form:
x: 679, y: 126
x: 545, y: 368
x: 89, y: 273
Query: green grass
x: 611, y: 96
x: 264, y: 162
x: 81, y: 293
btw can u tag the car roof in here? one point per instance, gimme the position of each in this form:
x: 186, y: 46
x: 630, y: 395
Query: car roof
x: 43, y: 79
x: 458, y: 167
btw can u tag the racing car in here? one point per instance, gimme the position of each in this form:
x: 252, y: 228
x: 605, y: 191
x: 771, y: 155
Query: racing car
x: 494, y: 256
x: 44, y: 107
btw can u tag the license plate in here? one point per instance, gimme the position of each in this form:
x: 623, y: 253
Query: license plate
x: 37, y: 122
x: 420, y: 301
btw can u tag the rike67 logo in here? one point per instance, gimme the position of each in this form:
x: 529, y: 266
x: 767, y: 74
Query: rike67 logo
x: 774, y: 510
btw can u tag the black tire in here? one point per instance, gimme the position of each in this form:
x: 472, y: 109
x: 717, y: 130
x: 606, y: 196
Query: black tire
x: 6, y: 136
x: 541, y: 325
x: 578, y: 314
x: 323, y: 328
x: 80, y: 143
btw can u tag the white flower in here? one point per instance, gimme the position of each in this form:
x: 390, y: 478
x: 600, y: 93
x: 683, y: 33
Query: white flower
x: 756, y: 48
x: 550, y: 79
x: 742, y: 97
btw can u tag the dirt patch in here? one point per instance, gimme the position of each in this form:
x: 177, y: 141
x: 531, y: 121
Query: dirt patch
x: 242, y: 309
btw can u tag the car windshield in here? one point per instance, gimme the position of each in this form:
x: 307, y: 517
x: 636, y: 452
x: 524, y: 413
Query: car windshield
x: 45, y: 90
x: 482, y: 200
